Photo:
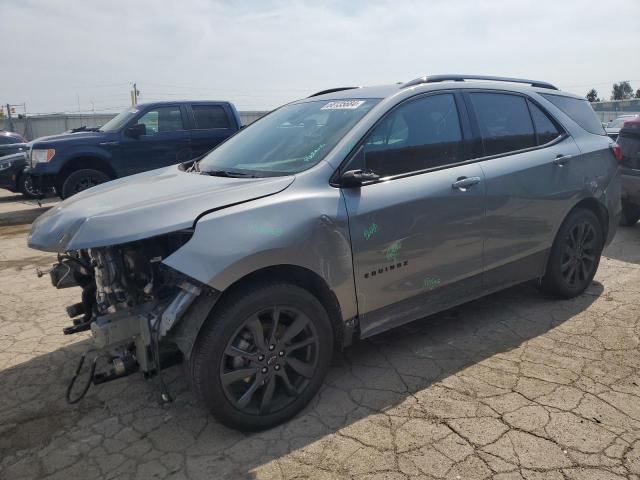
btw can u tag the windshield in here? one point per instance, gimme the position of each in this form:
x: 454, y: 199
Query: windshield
x: 291, y: 139
x: 117, y: 122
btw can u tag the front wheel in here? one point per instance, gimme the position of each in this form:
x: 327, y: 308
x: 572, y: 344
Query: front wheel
x: 81, y: 180
x: 262, y: 355
x: 575, y: 255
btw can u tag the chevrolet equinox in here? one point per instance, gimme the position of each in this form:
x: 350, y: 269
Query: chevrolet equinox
x: 334, y: 217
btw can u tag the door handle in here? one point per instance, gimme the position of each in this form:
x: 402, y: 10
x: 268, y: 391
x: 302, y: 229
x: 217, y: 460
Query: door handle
x: 562, y: 160
x: 465, y: 182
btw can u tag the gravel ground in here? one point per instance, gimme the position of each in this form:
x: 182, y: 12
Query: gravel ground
x: 512, y: 386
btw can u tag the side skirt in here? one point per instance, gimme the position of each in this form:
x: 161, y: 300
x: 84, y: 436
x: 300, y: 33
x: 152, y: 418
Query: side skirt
x: 529, y: 268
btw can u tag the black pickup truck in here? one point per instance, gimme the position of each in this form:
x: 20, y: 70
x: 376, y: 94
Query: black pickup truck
x: 140, y: 138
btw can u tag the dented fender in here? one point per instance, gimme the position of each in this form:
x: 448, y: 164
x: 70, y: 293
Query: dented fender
x: 306, y: 227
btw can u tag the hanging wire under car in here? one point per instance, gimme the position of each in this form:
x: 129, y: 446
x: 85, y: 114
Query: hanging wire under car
x: 85, y: 389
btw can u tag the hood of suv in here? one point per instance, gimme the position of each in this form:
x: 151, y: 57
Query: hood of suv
x: 142, y: 206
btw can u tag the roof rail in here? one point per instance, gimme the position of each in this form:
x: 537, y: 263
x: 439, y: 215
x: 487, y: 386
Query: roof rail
x: 462, y: 78
x: 331, y: 90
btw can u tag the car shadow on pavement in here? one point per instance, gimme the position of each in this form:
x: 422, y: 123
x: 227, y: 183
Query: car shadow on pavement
x: 397, y: 370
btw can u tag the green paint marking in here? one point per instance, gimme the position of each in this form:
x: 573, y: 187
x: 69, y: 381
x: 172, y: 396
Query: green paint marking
x: 371, y: 229
x: 266, y: 229
x: 392, y: 250
x: 431, y: 282
x: 309, y: 156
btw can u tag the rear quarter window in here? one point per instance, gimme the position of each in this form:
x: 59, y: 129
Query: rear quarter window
x: 210, y: 116
x: 579, y: 111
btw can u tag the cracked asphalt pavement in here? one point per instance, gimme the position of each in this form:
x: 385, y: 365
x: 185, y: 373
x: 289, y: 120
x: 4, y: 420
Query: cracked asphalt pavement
x: 513, y: 386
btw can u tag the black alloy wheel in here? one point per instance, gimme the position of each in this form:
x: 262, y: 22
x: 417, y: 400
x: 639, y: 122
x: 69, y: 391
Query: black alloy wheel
x: 269, y: 360
x: 262, y: 354
x: 580, y: 252
x: 575, y: 255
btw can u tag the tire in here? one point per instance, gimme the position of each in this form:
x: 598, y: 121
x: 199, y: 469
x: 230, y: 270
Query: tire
x: 630, y: 214
x: 575, y: 255
x: 26, y: 187
x: 228, y: 347
x: 81, y: 180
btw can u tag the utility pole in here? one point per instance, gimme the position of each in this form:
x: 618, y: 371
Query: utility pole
x: 134, y: 95
x: 9, y: 117
x: 11, y: 108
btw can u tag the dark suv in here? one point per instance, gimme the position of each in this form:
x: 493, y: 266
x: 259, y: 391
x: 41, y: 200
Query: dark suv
x: 629, y: 142
x: 335, y: 217
x: 140, y: 138
x: 11, y: 142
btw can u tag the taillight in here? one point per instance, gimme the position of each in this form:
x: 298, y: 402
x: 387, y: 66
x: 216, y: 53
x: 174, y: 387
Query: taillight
x: 617, y: 151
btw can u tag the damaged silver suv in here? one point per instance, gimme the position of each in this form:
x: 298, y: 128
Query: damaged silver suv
x: 332, y: 218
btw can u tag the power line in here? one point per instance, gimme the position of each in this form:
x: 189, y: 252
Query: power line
x: 216, y: 89
x: 611, y: 82
x: 103, y: 86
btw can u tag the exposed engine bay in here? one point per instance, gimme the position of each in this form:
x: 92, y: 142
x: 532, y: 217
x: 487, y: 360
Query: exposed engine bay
x: 131, y: 302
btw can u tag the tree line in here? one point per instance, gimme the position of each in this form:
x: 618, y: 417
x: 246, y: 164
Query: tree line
x: 621, y: 91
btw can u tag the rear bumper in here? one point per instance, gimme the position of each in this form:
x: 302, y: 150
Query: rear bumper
x: 611, y: 198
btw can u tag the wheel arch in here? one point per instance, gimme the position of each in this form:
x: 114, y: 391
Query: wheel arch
x: 79, y: 162
x: 294, y: 274
x: 550, y: 280
x: 304, y: 278
x: 596, y: 207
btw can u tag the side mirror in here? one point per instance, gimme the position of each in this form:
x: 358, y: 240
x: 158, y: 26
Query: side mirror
x: 136, y: 131
x: 357, y: 178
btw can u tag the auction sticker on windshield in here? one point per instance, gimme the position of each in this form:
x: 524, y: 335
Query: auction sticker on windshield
x: 343, y: 105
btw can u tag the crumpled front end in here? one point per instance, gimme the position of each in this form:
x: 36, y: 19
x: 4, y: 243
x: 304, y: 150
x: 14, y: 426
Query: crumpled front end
x: 112, y: 240
x: 132, y: 303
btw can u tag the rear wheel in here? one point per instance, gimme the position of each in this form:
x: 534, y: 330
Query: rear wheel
x: 630, y: 214
x: 262, y: 355
x: 81, y: 180
x: 575, y: 255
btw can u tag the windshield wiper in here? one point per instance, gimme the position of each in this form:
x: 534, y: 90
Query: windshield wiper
x: 195, y: 167
x: 227, y: 173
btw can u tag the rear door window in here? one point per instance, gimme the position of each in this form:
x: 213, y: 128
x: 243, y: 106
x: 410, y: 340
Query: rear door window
x: 210, y: 116
x: 546, y: 129
x: 420, y: 134
x: 505, y: 123
x: 579, y: 111
x: 163, y: 119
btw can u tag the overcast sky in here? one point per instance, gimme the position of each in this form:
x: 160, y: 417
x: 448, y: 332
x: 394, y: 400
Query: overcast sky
x: 62, y: 55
